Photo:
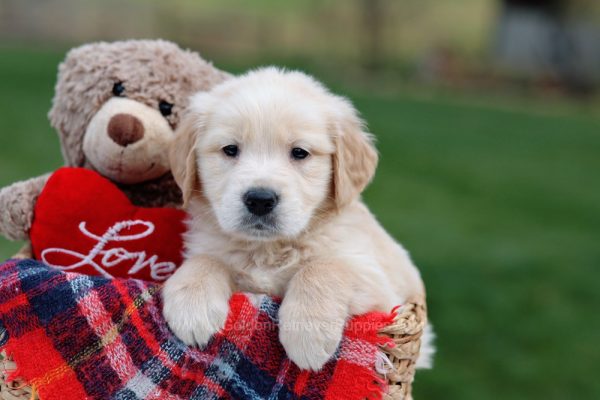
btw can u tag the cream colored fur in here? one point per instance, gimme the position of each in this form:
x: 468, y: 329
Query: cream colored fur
x: 324, y: 252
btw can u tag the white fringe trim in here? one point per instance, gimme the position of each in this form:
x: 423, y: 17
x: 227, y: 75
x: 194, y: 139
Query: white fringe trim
x: 383, y: 365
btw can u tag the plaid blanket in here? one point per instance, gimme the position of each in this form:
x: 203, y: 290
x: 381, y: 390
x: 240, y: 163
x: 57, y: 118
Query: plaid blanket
x: 76, y: 337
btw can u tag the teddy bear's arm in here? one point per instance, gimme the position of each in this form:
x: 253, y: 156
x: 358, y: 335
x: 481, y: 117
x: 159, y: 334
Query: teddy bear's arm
x: 17, y: 202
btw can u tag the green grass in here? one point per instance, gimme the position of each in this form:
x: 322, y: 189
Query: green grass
x: 500, y: 209
x: 28, y: 145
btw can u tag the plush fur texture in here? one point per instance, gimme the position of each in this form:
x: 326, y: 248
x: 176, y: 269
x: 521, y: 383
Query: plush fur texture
x: 150, y: 71
x: 144, y: 159
x: 16, y: 207
x: 320, y: 248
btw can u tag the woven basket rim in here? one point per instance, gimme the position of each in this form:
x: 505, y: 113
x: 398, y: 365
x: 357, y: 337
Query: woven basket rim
x: 405, y: 332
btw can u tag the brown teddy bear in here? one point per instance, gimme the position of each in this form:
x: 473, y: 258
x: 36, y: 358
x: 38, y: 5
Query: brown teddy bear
x: 115, y: 108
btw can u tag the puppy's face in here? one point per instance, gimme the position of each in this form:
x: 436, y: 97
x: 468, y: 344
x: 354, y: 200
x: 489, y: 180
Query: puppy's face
x: 266, y: 149
x: 265, y: 162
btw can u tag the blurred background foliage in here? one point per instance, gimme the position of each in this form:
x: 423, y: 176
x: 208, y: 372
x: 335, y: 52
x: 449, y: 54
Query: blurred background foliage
x: 486, y: 114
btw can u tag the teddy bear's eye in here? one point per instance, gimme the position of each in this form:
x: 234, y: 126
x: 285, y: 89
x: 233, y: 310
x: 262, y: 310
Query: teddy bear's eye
x: 118, y: 89
x: 165, y: 108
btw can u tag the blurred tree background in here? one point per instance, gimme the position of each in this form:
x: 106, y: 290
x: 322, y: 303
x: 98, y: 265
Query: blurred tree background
x: 486, y: 114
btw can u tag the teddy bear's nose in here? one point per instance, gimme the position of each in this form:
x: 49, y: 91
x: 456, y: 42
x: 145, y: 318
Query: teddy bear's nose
x: 125, y: 129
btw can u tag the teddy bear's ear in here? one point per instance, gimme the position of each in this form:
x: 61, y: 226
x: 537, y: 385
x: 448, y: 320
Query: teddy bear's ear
x: 183, y: 159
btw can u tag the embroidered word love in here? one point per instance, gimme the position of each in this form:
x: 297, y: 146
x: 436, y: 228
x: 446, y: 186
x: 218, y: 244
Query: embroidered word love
x: 102, y: 259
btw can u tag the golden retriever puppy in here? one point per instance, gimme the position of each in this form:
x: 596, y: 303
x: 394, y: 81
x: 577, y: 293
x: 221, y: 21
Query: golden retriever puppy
x: 271, y: 165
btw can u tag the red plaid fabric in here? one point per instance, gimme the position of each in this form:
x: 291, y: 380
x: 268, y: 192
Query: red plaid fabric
x: 75, y: 336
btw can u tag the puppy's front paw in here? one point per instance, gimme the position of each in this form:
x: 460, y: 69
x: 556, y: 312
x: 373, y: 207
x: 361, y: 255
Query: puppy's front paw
x: 309, y: 341
x: 194, y: 314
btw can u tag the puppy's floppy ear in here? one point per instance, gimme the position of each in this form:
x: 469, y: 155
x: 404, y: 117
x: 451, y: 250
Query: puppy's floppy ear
x: 182, y: 153
x: 355, y: 157
x: 182, y: 156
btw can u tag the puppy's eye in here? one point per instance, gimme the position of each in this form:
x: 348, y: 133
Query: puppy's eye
x: 299, y: 154
x: 231, y: 150
x: 118, y: 89
x: 165, y: 108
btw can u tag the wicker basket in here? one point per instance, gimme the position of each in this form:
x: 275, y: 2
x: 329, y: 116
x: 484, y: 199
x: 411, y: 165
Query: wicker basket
x: 406, y: 333
x: 17, y: 389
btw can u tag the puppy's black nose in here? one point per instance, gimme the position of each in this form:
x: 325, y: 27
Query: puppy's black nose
x: 260, y: 201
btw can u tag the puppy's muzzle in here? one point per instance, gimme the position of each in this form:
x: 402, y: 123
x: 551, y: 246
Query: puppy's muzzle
x: 260, y: 201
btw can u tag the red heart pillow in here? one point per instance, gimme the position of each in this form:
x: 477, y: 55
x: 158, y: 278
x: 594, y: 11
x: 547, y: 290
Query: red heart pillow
x: 84, y: 223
